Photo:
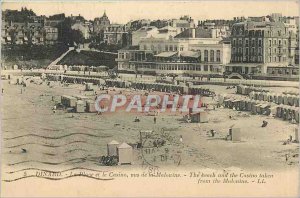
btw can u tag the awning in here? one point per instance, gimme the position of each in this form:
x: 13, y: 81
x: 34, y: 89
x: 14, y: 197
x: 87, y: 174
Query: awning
x: 190, y: 54
x: 244, y: 65
x: 264, y: 105
x: 166, y: 54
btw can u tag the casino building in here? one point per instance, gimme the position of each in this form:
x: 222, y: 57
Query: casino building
x: 195, y: 51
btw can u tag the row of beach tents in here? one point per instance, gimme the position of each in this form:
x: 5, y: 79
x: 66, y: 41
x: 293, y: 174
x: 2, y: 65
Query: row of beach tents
x: 285, y: 112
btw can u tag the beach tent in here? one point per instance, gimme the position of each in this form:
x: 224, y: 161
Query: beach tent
x: 252, y: 95
x: 112, y: 148
x: 80, y: 106
x: 280, y: 99
x: 265, y: 96
x: 125, y: 153
x: 236, y: 134
x: 290, y: 99
x: 90, y: 106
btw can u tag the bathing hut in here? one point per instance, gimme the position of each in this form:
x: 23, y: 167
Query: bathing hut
x: 296, y: 100
x: 249, y: 105
x: 285, y: 99
x: 227, y: 102
x: 296, y: 134
x: 279, y: 111
x: 236, y: 134
x: 290, y: 100
x: 200, y: 117
x: 257, y: 109
x: 270, y: 97
x: 239, y: 89
x: 112, y: 148
x: 251, y: 95
x: 276, y: 98
x: 280, y: 99
x: 261, y: 96
x: 236, y: 104
x: 89, y: 87
x: 80, y: 106
x: 90, y: 106
x: 273, y: 110
x: 247, y: 90
x: 125, y: 153
x: 296, y: 109
x: 68, y: 101
x: 265, y: 96
x: 242, y: 105
x: 264, y: 109
x: 253, y: 107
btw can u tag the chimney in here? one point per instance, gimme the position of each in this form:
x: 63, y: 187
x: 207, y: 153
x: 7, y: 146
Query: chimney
x: 193, y: 32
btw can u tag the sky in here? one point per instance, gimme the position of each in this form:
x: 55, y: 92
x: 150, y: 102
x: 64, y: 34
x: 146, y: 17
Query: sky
x: 124, y: 11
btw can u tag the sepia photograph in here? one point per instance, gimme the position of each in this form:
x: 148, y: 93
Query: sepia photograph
x: 149, y: 98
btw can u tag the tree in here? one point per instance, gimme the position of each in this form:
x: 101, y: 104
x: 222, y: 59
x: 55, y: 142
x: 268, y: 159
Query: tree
x: 77, y: 36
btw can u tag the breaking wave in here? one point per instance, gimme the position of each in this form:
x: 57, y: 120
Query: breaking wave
x: 58, y: 137
x: 72, y: 161
x: 51, y: 145
x: 55, y: 179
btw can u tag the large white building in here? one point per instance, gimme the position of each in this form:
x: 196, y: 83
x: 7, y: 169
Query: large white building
x: 195, y: 52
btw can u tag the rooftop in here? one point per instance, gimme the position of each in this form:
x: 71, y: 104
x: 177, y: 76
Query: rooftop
x: 199, y: 33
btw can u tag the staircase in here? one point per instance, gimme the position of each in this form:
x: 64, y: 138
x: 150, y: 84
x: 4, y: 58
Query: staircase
x: 60, y: 58
x: 236, y: 75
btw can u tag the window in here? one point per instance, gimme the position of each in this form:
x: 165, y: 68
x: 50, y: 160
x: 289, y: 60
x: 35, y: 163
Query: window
x: 175, y: 48
x: 247, y: 42
x: 233, y: 42
x: 205, y: 55
x: 152, y: 47
x: 167, y: 48
x: 259, y: 43
x: 145, y: 47
x: 212, y: 56
x: 258, y: 58
x: 240, y: 51
x: 171, y: 48
x: 181, y: 47
x: 218, y: 56
x: 259, y: 51
x: 274, y: 42
x: 205, y: 67
x: 270, y: 43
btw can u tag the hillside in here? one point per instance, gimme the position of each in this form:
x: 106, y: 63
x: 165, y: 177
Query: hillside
x: 90, y: 58
x: 37, y: 56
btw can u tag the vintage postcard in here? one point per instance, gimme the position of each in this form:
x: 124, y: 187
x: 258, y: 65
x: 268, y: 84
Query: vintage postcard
x: 149, y: 98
